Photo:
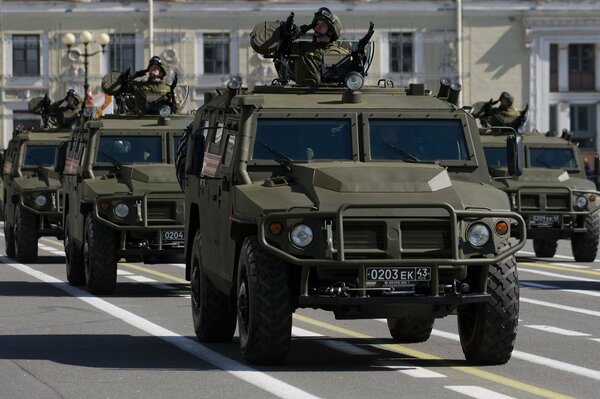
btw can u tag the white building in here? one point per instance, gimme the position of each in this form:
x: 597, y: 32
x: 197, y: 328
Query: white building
x: 546, y: 53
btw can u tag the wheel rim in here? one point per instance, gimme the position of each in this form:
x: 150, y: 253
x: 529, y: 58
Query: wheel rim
x: 86, y: 260
x: 195, y: 287
x: 243, y: 307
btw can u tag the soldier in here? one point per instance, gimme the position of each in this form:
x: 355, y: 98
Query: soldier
x: 307, y: 57
x: 66, y: 110
x: 153, y: 85
x: 505, y: 114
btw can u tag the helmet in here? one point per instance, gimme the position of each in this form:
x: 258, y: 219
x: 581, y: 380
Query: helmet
x: 335, y: 25
x: 507, y: 96
x: 70, y: 93
x: 156, y: 60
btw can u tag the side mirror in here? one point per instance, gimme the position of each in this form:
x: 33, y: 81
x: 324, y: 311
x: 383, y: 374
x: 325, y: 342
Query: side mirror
x: 515, y: 155
x: 61, y: 157
x: 195, y: 155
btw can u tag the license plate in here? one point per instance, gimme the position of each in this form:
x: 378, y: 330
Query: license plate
x: 545, y: 219
x: 397, y: 276
x: 170, y: 235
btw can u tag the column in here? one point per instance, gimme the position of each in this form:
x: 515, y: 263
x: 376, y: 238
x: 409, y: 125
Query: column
x: 563, y: 67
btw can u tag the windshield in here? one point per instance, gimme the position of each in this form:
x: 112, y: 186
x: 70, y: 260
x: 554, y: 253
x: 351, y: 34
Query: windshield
x: 39, y: 155
x: 130, y: 149
x: 417, y: 140
x: 495, y: 157
x: 303, y: 139
x: 553, y: 158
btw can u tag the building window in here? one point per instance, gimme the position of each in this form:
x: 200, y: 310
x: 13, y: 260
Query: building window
x: 583, y: 124
x: 26, y: 119
x: 26, y: 55
x: 552, y: 114
x: 401, y: 52
x: 554, y: 67
x: 216, y: 53
x: 581, y: 67
x: 122, y: 51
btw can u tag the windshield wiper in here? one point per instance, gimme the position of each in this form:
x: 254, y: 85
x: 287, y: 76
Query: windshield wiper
x: 38, y: 163
x: 280, y: 154
x: 402, y: 152
x: 116, y: 163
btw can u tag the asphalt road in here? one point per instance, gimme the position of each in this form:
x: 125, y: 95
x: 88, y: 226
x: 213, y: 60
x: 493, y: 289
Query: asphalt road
x: 57, y: 341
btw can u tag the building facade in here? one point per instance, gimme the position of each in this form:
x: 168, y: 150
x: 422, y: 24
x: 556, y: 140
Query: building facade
x: 546, y: 53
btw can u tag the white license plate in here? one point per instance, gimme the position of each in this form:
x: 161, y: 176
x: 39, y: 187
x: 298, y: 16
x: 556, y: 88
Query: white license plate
x: 545, y: 219
x: 172, y: 235
x: 398, y: 275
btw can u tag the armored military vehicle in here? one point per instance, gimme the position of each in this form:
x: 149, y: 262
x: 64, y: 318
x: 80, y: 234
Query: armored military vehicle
x: 371, y: 204
x: 32, y: 191
x: 121, y: 198
x: 553, y: 194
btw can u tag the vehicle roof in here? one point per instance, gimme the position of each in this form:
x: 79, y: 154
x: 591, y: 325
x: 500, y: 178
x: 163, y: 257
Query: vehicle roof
x: 42, y: 135
x: 528, y: 138
x: 373, y: 97
x: 145, y: 123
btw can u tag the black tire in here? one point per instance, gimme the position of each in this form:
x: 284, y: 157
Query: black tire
x: 213, y: 313
x: 26, y: 235
x: 9, y: 241
x: 181, y: 156
x: 488, y: 331
x: 99, y: 257
x: 73, y: 258
x: 585, y: 245
x: 408, y: 330
x: 264, y: 309
x: 545, y: 248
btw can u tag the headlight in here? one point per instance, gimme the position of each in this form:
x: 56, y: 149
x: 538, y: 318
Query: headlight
x: 40, y: 201
x: 478, y: 234
x: 354, y: 81
x: 164, y: 111
x: 301, y: 235
x: 581, y: 202
x: 121, y: 210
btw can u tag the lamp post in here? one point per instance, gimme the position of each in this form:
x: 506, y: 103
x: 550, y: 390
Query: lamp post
x: 85, y: 37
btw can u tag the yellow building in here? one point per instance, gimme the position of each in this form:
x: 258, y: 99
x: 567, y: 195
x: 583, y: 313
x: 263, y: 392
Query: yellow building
x: 546, y: 53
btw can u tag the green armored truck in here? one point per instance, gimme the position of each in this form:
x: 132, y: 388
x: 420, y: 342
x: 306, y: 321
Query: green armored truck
x: 121, y: 197
x: 553, y: 195
x: 32, y: 191
x: 370, y: 203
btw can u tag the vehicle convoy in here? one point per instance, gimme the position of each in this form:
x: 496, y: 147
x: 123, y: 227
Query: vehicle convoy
x: 121, y: 197
x: 371, y: 204
x: 553, y: 195
x: 32, y: 191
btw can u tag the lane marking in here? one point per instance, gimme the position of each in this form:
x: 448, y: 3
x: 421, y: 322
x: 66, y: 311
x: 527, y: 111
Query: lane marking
x: 569, y: 265
x: 340, y: 346
x: 123, y: 273
x: 563, y: 276
x: 556, y: 330
x: 396, y: 348
x: 141, y: 279
x: 246, y: 373
x: 562, y: 307
x: 553, y: 287
x: 540, y: 360
x: 476, y: 392
x: 412, y: 371
x: 595, y: 339
x: 551, y: 267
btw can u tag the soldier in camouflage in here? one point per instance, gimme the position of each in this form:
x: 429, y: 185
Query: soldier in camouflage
x: 66, y: 110
x: 153, y: 85
x: 505, y: 114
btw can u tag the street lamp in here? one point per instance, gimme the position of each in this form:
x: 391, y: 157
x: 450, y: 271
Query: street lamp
x: 85, y: 37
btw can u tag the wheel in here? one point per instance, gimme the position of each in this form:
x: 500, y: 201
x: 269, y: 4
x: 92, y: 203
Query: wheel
x: 409, y: 330
x: 585, y: 245
x: 488, y: 330
x: 181, y: 155
x: 263, y: 300
x: 213, y: 312
x: 73, y: 258
x: 99, y: 257
x: 9, y: 241
x: 26, y: 235
x: 545, y: 248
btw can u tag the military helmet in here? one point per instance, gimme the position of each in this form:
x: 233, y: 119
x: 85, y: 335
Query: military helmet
x: 156, y: 60
x: 334, y: 23
x: 507, y: 96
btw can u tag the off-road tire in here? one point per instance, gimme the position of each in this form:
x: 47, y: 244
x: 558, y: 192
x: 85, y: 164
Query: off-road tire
x: 75, y: 266
x: 264, y: 309
x: 408, y: 330
x: 26, y: 235
x: 181, y: 156
x: 99, y: 257
x: 488, y: 330
x: 9, y: 241
x: 213, y: 313
x: 585, y: 245
x: 545, y: 248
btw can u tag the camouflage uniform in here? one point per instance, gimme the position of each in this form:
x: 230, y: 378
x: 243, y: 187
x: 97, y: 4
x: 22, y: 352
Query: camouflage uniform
x: 141, y: 90
x: 504, y: 115
x: 64, y: 113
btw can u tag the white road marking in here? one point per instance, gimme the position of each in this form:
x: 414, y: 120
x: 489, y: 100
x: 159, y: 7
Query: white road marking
x: 540, y: 360
x: 182, y: 265
x: 123, y: 272
x: 569, y: 265
x: 239, y: 370
x: 556, y: 330
x: 553, y: 287
x: 562, y: 307
x: 141, y: 279
x: 413, y: 371
x: 550, y: 274
x: 476, y: 392
x: 595, y: 339
x: 341, y: 346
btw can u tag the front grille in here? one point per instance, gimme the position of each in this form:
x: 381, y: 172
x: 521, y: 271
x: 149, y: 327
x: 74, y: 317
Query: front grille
x: 363, y: 236
x: 425, y: 236
x: 530, y: 201
x: 557, y: 202
x: 161, y: 212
